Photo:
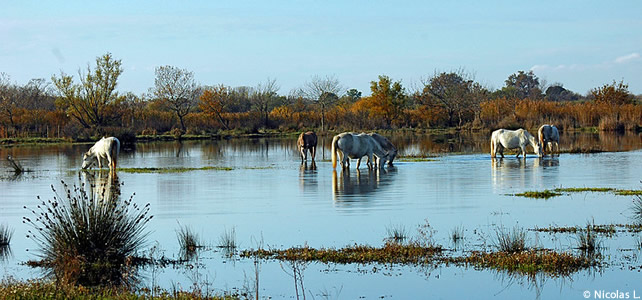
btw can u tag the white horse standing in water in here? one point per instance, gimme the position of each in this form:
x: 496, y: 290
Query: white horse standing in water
x: 549, y: 137
x: 511, y: 139
x: 350, y: 145
x: 386, y: 145
x: 106, y: 148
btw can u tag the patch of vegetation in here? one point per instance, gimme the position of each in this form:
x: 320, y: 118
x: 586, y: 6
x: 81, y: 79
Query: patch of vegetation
x: 38, y: 289
x: 188, y: 242
x: 390, y: 253
x: 510, y: 241
x: 584, y: 189
x: 538, y: 194
x: 636, y: 208
x: 34, y: 140
x: 227, y: 240
x: 416, y: 159
x: 172, y: 170
x: 529, y: 262
x: 588, y: 241
x: 628, y: 192
x: 582, y: 150
x: 6, y: 234
x: 85, y: 240
x: 457, y: 234
x: 396, y: 234
x: 607, y: 229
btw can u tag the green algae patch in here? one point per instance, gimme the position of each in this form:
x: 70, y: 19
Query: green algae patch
x: 545, y: 194
x: 389, y: 253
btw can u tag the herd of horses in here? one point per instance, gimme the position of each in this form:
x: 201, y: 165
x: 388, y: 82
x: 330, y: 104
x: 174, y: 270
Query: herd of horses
x: 377, y: 148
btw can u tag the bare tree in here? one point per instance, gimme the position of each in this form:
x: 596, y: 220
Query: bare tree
x: 8, y: 98
x: 325, y: 90
x: 177, y: 90
x: 263, y: 96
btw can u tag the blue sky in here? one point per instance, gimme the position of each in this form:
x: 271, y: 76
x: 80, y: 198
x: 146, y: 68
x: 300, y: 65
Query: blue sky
x: 582, y: 44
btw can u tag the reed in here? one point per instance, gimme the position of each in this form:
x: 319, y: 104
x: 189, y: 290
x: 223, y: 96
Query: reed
x: 587, y: 240
x: 188, y: 241
x: 6, y: 234
x: 396, y: 234
x: 510, y: 241
x: 87, y: 241
x: 227, y: 240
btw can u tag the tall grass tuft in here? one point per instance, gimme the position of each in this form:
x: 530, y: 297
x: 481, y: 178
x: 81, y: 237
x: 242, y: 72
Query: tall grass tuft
x: 396, y: 234
x: 457, y: 234
x: 637, y: 209
x: 188, y: 242
x: 6, y: 234
x: 87, y: 241
x: 227, y: 240
x: 511, y: 241
x: 587, y: 240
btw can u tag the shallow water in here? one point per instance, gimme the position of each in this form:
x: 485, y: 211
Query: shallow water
x: 271, y: 200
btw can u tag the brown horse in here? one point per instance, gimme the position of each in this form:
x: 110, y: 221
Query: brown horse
x: 307, y: 142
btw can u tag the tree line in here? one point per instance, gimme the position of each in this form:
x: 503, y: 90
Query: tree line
x: 89, y: 104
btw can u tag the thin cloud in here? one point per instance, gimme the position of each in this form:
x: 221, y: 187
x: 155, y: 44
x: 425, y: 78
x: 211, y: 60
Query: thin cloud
x: 627, y: 58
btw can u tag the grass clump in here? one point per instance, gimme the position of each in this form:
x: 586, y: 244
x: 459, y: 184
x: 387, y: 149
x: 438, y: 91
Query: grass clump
x: 588, y: 241
x: 389, y: 253
x: 227, y: 240
x: 628, y: 192
x: 87, y: 241
x: 538, y: 194
x: 396, y: 234
x: 530, y: 262
x: 636, y: 208
x: 188, y: 241
x: 510, y: 241
x: 6, y: 234
x: 457, y: 234
x: 172, y: 170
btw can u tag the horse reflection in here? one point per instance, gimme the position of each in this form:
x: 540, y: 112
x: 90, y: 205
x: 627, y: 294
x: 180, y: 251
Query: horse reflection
x: 348, y: 186
x: 101, y: 184
x: 308, y: 176
x: 519, y: 173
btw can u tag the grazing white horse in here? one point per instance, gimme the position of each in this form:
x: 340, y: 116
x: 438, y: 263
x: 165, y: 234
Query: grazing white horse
x: 511, y: 139
x: 549, y: 137
x: 386, y: 145
x: 350, y: 145
x: 106, y: 148
x: 307, y: 141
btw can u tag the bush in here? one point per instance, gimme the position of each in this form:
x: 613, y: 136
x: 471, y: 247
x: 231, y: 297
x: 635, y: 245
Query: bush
x: 87, y: 241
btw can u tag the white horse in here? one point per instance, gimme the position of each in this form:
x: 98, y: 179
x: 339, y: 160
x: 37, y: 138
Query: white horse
x: 350, y: 145
x: 511, y: 139
x: 549, y: 137
x: 386, y: 145
x: 106, y: 148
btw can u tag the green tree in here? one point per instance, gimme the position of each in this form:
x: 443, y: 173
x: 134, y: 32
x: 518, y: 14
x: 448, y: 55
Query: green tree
x: 522, y: 85
x: 177, y: 90
x: 388, y: 99
x: 94, y: 101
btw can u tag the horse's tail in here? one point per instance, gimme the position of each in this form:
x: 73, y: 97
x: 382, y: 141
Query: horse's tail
x: 335, y: 148
x: 492, y: 146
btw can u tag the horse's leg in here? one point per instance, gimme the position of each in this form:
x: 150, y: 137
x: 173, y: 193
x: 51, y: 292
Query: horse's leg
x: 313, y: 152
x: 358, y: 162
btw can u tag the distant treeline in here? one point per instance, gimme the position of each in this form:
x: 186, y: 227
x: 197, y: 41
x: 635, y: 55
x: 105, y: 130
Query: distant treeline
x: 88, y: 105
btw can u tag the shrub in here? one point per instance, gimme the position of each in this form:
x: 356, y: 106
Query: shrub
x: 87, y: 241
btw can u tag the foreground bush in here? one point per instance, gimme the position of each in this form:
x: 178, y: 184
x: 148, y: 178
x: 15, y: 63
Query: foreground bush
x: 88, y: 241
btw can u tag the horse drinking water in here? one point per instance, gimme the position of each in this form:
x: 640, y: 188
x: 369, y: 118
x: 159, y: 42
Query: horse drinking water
x: 549, y: 137
x: 386, y: 145
x: 106, y: 148
x: 307, y: 142
x: 511, y: 139
x: 350, y: 145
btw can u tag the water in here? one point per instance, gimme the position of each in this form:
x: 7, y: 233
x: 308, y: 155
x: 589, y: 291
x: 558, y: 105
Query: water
x: 271, y: 200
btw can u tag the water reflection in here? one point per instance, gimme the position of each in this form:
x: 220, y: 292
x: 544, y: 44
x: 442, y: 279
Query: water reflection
x: 308, y: 177
x: 510, y: 172
x: 101, y: 184
x: 350, y: 186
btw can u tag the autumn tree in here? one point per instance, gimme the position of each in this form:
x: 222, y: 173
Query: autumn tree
x: 177, y: 90
x: 92, y: 102
x: 455, y: 93
x: 8, y: 99
x: 263, y: 97
x: 324, y: 90
x: 388, y: 99
x: 214, y: 101
x: 613, y: 94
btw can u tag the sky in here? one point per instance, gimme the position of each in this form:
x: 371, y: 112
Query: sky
x: 581, y: 44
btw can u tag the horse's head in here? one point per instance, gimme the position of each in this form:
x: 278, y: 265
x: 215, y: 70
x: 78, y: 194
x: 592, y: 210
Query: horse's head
x: 87, y: 160
x: 538, y: 149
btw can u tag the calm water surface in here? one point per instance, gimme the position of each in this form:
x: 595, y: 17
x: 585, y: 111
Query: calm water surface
x: 271, y: 200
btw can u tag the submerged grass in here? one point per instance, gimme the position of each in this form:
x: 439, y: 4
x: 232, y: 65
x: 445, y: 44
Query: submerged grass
x: 545, y: 194
x: 389, y: 253
x: 510, y: 241
x: 227, y: 240
x: 587, y: 240
x: 188, y: 241
x: 172, y: 170
x: 396, y: 234
x: 38, y: 289
x: 530, y: 262
x: 583, y: 189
